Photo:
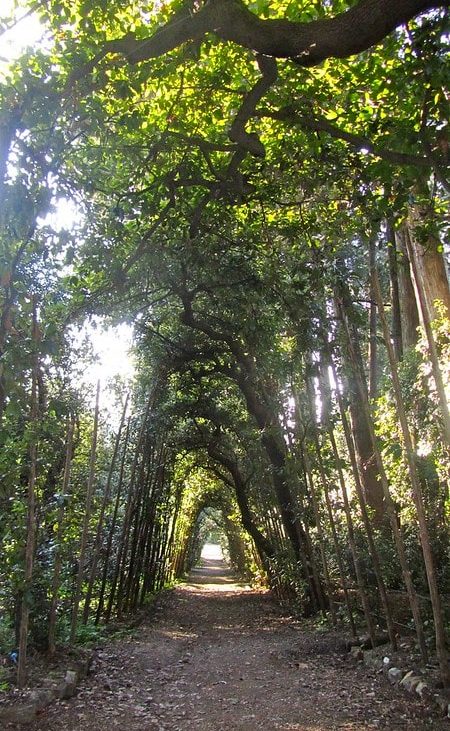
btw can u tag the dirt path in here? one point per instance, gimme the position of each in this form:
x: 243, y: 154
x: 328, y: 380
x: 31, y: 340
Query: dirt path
x: 219, y: 656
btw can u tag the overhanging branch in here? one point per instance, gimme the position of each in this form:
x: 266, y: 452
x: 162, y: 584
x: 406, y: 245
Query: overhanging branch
x: 344, y: 35
x: 317, y: 123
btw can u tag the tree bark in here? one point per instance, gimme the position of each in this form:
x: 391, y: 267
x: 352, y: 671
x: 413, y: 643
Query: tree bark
x: 430, y: 273
x: 373, y: 490
x: 394, y: 290
x: 308, y: 44
x: 408, y: 308
x: 434, y: 358
x: 373, y: 345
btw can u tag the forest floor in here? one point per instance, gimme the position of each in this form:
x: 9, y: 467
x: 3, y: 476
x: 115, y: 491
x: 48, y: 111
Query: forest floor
x: 218, y: 655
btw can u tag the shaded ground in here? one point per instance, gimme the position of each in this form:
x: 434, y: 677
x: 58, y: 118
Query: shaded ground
x: 221, y: 656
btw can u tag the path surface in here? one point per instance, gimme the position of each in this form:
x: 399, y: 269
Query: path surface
x: 221, y: 656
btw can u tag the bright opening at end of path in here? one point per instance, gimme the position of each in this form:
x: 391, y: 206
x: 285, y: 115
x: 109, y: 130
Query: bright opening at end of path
x: 212, y: 552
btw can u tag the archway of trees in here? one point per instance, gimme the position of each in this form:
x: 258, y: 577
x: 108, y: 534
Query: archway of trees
x: 260, y: 190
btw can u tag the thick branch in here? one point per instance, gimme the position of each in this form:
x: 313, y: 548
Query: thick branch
x: 353, y: 31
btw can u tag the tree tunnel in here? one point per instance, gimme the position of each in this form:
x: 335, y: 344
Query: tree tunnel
x: 260, y: 193
x: 211, y: 514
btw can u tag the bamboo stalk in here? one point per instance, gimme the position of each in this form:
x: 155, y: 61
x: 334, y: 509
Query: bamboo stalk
x: 362, y: 589
x: 87, y: 515
x: 113, y: 525
x: 31, y: 504
x: 59, y: 536
x: 436, y: 604
x: 326, y: 492
x: 390, y: 508
x: 320, y: 538
x: 105, y: 501
x: 376, y: 563
x: 124, y: 538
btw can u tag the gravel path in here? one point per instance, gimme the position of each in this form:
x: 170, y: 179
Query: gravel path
x: 221, y: 656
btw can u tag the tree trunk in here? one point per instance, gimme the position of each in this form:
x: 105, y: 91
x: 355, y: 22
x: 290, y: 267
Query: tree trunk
x: 373, y: 345
x: 430, y: 273
x: 373, y: 490
x: 394, y: 290
x: 425, y: 310
x: 408, y: 307
x: 263, y: 545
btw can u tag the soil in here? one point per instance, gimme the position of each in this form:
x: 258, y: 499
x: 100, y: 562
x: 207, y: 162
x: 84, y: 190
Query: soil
x: 219, y: 655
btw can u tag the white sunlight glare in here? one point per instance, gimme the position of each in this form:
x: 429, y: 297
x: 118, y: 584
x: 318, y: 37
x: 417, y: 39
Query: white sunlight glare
x: 111, y: 345
x: 25, y: 32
